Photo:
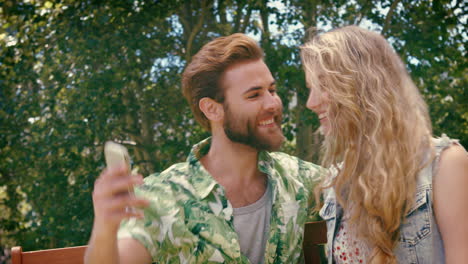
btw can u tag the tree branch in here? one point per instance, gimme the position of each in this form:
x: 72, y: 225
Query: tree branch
x: 364, y: 10
x: 186, y: 18
x: 238, y: 17
x: 265, y: 22
x: 388, y: 18
x: 222, y: 12
x: 246, y: 19
x: 195, y: 30
x: 309, y: 13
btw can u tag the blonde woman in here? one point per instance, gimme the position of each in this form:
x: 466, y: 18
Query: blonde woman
x: 395, y: 194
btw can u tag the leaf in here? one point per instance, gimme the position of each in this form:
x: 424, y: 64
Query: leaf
x: 48, y: 4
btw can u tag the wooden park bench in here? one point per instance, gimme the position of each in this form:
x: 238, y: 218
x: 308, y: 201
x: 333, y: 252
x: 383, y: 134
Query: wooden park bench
x: 315, y: 235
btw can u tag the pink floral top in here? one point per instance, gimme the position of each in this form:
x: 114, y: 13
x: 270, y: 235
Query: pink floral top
x: 346, y: 248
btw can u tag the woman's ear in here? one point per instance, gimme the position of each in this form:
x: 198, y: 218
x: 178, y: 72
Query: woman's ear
x: 213, y: 110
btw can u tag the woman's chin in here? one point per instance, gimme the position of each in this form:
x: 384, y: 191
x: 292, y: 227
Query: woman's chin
x: 324, y: 130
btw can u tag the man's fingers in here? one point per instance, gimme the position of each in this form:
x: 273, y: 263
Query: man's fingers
x: 140, y: 203
x: 115, y: 172
x: 124, y: 184
x: 120, y: 202
x: 105, y: 187
x: 123, y: 214
x: 109, y: 175
x: 135, y: 213
x: 118, y: 216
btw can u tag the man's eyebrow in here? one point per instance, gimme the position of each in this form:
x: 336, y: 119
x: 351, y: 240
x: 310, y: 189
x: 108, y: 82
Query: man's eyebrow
x: 256, y: 88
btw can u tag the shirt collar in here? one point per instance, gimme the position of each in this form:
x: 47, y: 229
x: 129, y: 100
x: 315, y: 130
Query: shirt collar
x: 201, y: 179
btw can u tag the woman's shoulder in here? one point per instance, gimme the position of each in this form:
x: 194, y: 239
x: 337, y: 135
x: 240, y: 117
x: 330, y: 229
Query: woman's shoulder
x: 440, y: 144
x: 453, y: 161
x: 451, y: 200
x: 449, y: 154
x: 451, y: 173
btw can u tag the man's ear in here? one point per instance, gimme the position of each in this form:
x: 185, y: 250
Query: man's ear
x: 213, y: 110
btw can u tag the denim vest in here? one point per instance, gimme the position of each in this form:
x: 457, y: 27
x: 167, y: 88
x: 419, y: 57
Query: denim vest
x: 420, y: 241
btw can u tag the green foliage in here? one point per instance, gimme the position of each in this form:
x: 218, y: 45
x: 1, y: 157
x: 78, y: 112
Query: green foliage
x: 74, y: 74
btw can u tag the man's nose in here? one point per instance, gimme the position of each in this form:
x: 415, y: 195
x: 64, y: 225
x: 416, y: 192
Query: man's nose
x: 272, y: 102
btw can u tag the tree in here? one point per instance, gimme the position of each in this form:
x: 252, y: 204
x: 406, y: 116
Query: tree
x: 74, y: 74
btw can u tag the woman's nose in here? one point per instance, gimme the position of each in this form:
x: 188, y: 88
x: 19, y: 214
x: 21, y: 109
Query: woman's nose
x: 314, y: 101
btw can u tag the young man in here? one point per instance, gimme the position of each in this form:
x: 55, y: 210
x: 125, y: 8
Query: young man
x: 231, y: 201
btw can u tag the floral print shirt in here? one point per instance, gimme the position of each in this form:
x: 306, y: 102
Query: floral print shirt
x: 190, y: 220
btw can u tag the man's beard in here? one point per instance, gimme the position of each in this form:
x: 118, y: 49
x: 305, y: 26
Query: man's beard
x: 249, y: 135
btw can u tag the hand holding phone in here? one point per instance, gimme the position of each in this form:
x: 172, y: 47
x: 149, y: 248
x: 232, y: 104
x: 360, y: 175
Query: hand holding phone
x: 117, y: 155
x: 113, y: 197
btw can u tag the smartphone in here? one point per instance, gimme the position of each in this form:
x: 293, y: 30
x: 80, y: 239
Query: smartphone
x: 116, y: 155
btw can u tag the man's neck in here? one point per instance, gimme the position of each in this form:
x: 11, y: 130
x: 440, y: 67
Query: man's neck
x: 234, y: 166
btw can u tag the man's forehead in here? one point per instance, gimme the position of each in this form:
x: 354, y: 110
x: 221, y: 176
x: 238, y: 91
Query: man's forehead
x: 247, y: 75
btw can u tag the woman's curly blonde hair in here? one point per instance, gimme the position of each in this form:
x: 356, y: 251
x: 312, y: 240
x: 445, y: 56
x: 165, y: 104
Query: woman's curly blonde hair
x: 379, y: 135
